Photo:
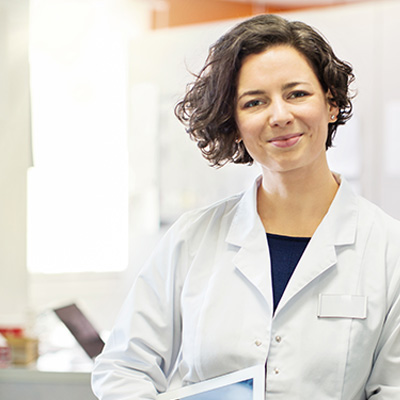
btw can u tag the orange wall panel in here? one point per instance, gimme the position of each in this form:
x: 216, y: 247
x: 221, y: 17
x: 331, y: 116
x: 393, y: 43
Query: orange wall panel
x: 195, y: 11
x: 187, y: 12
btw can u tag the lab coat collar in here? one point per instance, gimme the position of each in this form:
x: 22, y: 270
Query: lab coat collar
x: 246, y: 218
x: 341, y: 217
x: 247, y: 232
x: 338, y: 228
x: 339, y: 225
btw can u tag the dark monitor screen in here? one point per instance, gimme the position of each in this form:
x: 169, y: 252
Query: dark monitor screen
x: 81, y: 328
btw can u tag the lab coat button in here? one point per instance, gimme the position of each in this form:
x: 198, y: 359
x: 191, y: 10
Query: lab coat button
x: 258, y: 343
x: 278, y: 339
x: 276, y: 371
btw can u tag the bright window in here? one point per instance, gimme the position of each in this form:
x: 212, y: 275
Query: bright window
x: 78, y: 187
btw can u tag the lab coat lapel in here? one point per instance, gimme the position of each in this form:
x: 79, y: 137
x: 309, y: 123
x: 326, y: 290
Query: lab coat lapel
x: 248, y: 234
x: 338, y: 228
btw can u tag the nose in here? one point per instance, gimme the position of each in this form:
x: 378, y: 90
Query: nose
x: 280, y: 114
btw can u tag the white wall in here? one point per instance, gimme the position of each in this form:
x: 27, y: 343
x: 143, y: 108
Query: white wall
x: 387, y: 111
x: 15, y: 158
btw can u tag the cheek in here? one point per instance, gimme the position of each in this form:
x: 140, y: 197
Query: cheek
x: 318, y: 120
x: 250, y: 126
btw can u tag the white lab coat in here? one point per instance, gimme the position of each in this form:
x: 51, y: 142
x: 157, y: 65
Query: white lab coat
x: 202, y: 307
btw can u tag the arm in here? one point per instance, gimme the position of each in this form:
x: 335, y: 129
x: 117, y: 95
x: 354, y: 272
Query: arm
x: 143, y: 346
x: 384, y: 380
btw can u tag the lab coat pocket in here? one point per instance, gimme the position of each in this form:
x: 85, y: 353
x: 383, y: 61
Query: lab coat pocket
x: 342, y: 306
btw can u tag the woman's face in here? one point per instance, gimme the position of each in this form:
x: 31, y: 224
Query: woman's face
x: 281, y: 110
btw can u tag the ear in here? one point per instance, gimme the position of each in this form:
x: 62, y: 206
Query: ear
x: 333, y: 113
x: 333, y: 109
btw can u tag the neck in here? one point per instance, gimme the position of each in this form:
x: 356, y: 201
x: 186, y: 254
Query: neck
x: 293, y: 203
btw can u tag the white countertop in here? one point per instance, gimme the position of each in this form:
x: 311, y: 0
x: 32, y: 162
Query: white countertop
x: 59, y: 366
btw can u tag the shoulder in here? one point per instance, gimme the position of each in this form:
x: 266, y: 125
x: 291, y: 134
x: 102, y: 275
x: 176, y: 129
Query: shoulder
x: 383, y: 232
x: 372, y: 228
x: 378, y: 219
x: 202, y: 228
x: 213, y: 216
x: 369, y: 215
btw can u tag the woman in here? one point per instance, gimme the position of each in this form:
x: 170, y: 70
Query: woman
x: 298, y: 272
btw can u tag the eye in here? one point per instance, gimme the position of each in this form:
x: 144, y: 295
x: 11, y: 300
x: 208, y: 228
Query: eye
x: 298, y: 94
x: 252, y: 103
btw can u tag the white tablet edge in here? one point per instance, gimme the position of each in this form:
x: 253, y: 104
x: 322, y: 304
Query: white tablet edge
x: 257, y: 373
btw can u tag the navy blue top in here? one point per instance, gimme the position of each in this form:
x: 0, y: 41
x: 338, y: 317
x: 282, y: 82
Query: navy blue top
x: 285, y: 253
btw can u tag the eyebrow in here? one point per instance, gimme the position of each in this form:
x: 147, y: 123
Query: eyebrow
x: 251, y: 93
x: 286, y: 86
x: 291, y: 85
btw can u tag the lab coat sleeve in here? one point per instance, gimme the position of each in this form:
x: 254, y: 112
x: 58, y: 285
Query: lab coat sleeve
x: 144, y: 344
x: 384, y: 380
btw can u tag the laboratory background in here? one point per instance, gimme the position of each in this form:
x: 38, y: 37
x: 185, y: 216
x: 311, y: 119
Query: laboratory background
x: 95, y: 166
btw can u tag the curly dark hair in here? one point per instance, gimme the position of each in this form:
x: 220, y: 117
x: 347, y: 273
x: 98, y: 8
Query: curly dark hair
x: 208, y: 107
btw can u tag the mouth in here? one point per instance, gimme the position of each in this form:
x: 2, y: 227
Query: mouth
x: 286, y: 140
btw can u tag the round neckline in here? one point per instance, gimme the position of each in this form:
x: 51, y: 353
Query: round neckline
x: 288, y: 238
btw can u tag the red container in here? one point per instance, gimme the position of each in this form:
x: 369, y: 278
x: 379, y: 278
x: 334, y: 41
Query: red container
x: 11, y: 331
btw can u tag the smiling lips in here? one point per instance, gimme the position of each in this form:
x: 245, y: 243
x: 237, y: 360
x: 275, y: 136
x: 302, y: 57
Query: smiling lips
x: 286, y: 140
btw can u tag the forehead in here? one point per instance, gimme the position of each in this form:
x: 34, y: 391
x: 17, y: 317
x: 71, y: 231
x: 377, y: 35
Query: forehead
x: 274, y: 64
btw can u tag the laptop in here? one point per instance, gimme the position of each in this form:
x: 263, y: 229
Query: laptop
x: 81, y: 328
x: 246, y: 384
